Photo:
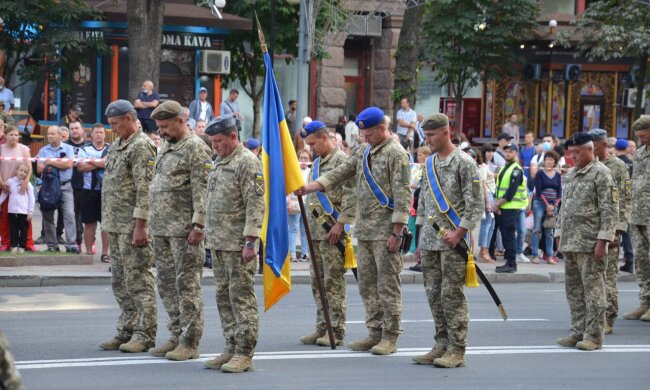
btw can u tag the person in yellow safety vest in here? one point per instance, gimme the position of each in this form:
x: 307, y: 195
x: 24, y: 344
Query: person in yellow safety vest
x: 511, y: 199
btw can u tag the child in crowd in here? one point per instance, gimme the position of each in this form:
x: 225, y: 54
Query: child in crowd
x: 20, y: 207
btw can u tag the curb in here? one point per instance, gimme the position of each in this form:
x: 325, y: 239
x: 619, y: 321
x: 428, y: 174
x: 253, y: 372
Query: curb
x: 49, y: 279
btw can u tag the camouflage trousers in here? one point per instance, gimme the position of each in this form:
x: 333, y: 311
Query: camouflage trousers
x: 380, y: 286
x: 330, y: 265
x: 180, y: 266
x: 611, y: 312
x: 236, y: 301
x: 585, y: 293
x: 444, y: 278
x: 641, y: 247
x: 9, y: 376
x: 134, y: 289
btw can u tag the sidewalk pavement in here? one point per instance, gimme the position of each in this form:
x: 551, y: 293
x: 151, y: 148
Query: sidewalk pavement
x: 97, y: 274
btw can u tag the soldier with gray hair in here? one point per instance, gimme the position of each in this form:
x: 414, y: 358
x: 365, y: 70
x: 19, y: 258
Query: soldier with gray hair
x: 125, y: 212
x: 587, y: 223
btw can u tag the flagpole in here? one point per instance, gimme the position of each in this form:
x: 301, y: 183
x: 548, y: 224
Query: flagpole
x: 303, y: 213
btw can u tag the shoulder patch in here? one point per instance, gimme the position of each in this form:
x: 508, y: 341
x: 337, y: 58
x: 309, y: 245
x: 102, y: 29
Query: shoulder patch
x: 259, y: 184
x: 207, y: 166
x: 150, y: 164
x: 614, y: 194
x: 516, y: 173
x: 628, y: 186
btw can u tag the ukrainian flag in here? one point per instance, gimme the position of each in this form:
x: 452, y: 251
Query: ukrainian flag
x: 282, y: 176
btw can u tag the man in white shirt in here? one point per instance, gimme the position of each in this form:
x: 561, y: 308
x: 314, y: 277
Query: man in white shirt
x: 549, y: 143
x: 512, y: 128
x: 201, y: 109
x: 351, y: 132
x: 406, y: 121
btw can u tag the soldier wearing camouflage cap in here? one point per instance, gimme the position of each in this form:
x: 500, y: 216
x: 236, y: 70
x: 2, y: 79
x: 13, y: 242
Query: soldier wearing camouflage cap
x: 125, y: 212
x: 177, y: 221
x: 444, y: 270
x: 586, y: 224
x: 382, y: 173
x: 235, y: 211
x: 640, y: 218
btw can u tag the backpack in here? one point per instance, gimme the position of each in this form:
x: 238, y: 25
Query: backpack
x: 49, y: 197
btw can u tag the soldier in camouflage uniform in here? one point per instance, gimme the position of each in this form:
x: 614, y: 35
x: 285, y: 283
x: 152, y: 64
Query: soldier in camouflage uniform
x: 640, y: 218
x: 587, y: 222
x: 125, y: 211
x: 177, y: 220
x: 381, y: 213
x: 443, y: 268
x: 621, y: 177
x: 329, y: 258
x: 9, y: 376
x: 235, y: 210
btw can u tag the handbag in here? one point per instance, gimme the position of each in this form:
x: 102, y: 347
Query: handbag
x: 549, y: 222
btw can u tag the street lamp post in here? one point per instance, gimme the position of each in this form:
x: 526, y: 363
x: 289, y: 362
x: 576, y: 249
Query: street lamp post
x: 304, y: 55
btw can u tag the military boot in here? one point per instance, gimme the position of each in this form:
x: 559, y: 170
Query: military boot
x: 161, y: 351
x: 568, y: 341
x: 588, y: 345
x: 311, y: 339
x: 373, y: 338
x: 430, y: 356
x: 325, y: 341
x: 450, y: 360
x: 218, y: 362
x: 637, y: 313
x: 183, y: 352
x: 112, y: 344
x: 646, y: 316
x: 386, y: 346
x: 608, y: 329
x: 134, y: 346
x: 238, y: 363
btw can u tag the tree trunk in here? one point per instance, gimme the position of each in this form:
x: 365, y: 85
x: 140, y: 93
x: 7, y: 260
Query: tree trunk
x: 643, y: 69
x: 257, y: 104
x: 145, y: 19
x: 406, y: 57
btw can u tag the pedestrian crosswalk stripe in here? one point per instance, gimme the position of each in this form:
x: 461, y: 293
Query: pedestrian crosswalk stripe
x: 471, y: 320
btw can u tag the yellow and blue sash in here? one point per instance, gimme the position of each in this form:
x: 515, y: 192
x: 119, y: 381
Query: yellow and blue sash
x: 384, y: 200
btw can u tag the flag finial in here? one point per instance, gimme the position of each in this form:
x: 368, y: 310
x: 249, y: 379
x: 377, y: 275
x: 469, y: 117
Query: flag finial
x: 261, y: 34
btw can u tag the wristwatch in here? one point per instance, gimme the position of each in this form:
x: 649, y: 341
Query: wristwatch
x: 199, y: 230
x: 249, y: 244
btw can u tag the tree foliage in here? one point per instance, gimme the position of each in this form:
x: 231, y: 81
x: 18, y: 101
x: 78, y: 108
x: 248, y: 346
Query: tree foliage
x: 468, y: 41
x: 614, y: 29
x: 45, y: 34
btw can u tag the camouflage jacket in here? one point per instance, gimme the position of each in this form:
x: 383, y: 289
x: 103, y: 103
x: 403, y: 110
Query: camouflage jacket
x: 178, y: 188
x: 389, y: 165
x: 461, y: 185
x: 589, y: 209
x: 621, y: 177
x: 641, y: 187
x: 125, y: 191
x: 341, y: 196
x: 235, y: 206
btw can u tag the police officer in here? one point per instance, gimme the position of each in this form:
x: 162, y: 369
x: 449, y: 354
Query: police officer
x: 125, y: 211
x: 621, y: 178
x: 177, y: 220
x: 454, y: 175
x: 511, y: 198
x: 336, y: 207
x: 235, y: 210
x: 587, y: 222
x: 640, y: 218
x: 383, y: 197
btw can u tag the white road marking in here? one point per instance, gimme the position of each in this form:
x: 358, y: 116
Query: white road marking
x: 471, y: 320
x: 632, y: 291
x: 322, y: 354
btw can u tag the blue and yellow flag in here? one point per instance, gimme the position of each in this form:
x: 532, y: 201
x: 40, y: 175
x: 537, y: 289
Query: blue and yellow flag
x: 282, y: 176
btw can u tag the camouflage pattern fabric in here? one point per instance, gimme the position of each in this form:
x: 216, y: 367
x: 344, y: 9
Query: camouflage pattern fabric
x: 444, y: 278
x: 585, y: 293
x: 9, y: 377
x: 380, y: 286
x: 611, y: 312
x: 236, y: 301
x: 178, y: 188
x: 330, y: 265
x: 640, y: 221
x: 641, y: 247
x: 460, y: 182
x: 179, y: 267
x: 235, y: 201
x: 125, y: 192
x: 133, y: 287
x: 621, y: 177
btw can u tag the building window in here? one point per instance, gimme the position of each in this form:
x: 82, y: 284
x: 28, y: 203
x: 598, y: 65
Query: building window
x: 557, y: 7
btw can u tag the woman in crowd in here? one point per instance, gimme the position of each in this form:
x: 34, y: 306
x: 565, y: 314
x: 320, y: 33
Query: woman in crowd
x: 548, y: 190
x: 13, y: 149
x: 487, y: 174
x: 293, y: 208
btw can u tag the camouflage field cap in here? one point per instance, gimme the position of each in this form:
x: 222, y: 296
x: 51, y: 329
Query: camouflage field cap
x: 643, y: 123
x: 167, y: 110
x: 435, y: 121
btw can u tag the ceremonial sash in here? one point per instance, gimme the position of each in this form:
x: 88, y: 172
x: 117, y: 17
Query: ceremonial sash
x: 384, y: 200
x: 323, y: 199
x: 441, y: 200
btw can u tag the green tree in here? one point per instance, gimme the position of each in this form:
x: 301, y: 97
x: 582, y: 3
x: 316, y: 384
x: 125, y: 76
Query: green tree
x: 44, y: 34
x: 468, y: 41
x: 406, y: 57
x: 615, y: 29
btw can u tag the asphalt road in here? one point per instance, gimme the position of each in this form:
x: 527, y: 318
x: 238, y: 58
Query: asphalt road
x: 54, y: 334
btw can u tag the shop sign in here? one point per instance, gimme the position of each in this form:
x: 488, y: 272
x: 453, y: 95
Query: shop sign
x: 194, y: 41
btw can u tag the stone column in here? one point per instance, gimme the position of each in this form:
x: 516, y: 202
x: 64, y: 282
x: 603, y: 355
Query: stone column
x: 330, y: 92
x: 383, y: 65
